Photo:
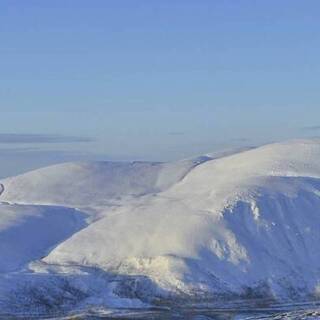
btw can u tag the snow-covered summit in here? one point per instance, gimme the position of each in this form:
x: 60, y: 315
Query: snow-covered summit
x: 92, y: 183
x: 97, y: 183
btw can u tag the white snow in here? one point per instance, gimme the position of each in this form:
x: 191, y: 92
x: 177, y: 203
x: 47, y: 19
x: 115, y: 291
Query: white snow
x: 76, y: 184
x: 98, y: 183
x: 208, y: 225
x: 28, y: 232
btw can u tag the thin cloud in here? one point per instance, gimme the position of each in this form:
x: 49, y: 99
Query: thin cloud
x: 25, y: 138
x: 176, y: 133
x: 240, y: 140
x: 311, y: 128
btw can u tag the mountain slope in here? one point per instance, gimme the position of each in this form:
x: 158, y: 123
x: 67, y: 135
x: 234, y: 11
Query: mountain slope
x: 250, y: 219
x: 242, y: 225
x: 76, y: 184
x: 98, y: 183
x: 27, y: 233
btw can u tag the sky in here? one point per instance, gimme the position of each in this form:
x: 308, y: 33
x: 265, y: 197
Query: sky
x: 153, y: 80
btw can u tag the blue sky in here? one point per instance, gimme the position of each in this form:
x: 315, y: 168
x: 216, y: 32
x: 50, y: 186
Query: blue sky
x: 154, y: 80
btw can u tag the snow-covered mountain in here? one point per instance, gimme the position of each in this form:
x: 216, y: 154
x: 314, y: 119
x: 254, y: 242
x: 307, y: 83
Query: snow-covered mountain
x: 97, y: 183
x: 242, y: 224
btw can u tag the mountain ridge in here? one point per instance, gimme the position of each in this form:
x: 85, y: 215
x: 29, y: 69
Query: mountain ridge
x: 241, y: 223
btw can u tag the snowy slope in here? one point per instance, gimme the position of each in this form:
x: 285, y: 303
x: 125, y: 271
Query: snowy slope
x: 76, y: 184
x: 244, y: 224
x: 27, y: 233
x: 97, y: 183
x: 250, y: 219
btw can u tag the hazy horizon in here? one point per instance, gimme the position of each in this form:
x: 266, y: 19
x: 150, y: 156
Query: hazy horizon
x: 153, y: 80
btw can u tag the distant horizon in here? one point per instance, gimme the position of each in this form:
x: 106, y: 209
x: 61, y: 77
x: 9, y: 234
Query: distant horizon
x: 156, y: 81
x: 48, y: 158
